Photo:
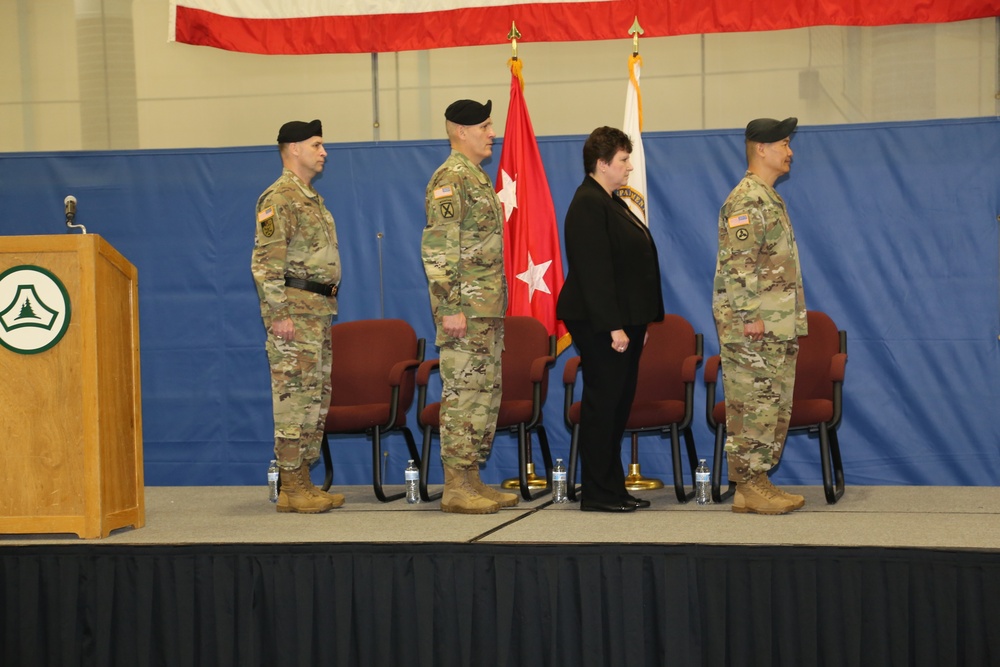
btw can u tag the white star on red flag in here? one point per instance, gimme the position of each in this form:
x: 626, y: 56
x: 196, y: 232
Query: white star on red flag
x: 507, y: 194
x: 534, y: 276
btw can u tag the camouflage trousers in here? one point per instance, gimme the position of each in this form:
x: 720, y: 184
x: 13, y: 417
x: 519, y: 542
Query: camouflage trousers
x: 300, y: 389
x: 758, y: 380
x: 471, y: 388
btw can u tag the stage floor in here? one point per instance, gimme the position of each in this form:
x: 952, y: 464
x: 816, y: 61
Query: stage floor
x: 867, y: 516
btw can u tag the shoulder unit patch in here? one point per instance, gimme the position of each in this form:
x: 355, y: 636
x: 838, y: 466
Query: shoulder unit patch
x: 264, y: 217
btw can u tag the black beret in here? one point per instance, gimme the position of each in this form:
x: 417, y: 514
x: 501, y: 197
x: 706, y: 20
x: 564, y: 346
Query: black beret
x: 769, y: 130
x: 297, y: 130
x: 468, y: 112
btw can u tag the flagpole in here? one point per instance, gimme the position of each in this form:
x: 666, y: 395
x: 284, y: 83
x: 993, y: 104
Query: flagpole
x: 635, y: 481
x: 634, y: 193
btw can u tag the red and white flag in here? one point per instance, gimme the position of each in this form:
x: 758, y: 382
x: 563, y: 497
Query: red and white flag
x: 379, y: 26
x: 532, y: 256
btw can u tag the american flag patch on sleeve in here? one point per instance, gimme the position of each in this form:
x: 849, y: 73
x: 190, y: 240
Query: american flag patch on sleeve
x: 444, y: 191
x: 265, y: 214
x: 739, y: 220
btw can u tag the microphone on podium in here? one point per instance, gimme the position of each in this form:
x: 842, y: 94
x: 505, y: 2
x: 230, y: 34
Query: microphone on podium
x: 70, y: 204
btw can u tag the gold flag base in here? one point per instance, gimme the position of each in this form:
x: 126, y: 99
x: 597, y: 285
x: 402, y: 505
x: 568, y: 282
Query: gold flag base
x: 636, y: 482
x: 534, y: 481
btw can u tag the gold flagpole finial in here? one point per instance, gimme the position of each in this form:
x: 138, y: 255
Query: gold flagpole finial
x: 513, y: 36
x: 635, y: 31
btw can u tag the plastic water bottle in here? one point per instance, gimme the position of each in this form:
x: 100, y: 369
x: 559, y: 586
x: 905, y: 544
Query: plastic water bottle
x: 559, y: 482
x: 412, y: 477
x: 702, y: 484
x: 272, y: 481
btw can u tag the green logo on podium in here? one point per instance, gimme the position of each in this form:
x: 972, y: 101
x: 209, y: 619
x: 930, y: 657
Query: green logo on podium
x: 34, y: 309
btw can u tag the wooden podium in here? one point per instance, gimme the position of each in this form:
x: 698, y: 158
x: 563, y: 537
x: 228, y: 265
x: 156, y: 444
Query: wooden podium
x: 70, y: 413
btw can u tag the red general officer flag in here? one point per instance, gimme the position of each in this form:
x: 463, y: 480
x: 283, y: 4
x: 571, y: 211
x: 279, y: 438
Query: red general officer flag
x: 532, y: 257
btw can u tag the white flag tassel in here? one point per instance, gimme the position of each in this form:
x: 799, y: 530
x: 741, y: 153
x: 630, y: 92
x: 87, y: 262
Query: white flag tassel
x: 635, y: 192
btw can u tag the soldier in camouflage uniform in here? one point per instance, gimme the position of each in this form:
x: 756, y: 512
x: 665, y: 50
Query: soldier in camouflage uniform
x: 760, y: 312
x: 462, y: 250
x: 296, y: 267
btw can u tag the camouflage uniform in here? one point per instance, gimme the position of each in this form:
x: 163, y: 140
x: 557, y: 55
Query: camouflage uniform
x: 296, y: 237
x: 462, y: 250
x: 757, y: 276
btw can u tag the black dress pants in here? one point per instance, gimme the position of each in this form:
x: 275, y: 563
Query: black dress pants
x: 609, y: 379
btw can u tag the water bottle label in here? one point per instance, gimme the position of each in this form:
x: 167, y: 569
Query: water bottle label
x: 558, y: 476
x: 272, y: 477
x: 412, y: 475
x: 702, y: 477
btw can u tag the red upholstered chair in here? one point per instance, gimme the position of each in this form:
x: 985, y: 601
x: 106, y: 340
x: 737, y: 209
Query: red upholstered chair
x: 529, y: 353
x: 664, y: 398
x: 816, y: 404
x: 374, y: 365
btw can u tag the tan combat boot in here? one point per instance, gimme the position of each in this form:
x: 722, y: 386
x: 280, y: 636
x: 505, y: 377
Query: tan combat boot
x: 797, y: 501
x: 459, y: 496
x: 754, y: 497
x: 336, y: 498
x: 499, y: 497
x: 295, y: 497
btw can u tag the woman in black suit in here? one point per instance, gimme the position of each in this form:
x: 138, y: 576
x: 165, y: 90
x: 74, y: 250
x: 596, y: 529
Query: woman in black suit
x: 611, y: 293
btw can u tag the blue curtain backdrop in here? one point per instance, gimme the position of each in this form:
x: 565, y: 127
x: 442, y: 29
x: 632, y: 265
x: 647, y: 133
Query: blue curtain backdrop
x: 897, y: 225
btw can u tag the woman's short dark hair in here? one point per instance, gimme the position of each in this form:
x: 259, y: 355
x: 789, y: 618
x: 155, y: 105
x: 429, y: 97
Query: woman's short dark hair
x: 603, y: 144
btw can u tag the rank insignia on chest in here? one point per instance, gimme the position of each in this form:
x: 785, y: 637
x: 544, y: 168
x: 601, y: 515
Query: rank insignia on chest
x: 739, y: 220
x: 444, y: 191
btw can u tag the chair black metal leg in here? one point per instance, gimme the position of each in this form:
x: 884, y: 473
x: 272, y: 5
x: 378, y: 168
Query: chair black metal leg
x: 523, y: 449
x: 411, y: 445
x: 524, y: 442
x: 829, y: 452
x: 425, y: 458
x: 377, y: 469
x: 692, y: 452
x: 572, y: 463
x: 543, y: 445
x: 838, y: 464
x: 675, y: 451
x: 327, y: 463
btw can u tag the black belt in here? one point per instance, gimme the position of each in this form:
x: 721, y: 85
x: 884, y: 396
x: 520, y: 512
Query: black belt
x: 312, y: 286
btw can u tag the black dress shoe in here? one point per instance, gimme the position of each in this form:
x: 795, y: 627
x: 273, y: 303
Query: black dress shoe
x: 639, y: 502
x: 616, y: 506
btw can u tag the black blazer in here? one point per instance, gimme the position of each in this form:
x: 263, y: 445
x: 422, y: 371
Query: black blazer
x: 614, y: 274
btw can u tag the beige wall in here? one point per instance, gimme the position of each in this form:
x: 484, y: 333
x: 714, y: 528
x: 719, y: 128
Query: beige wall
x: 100, y: 74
